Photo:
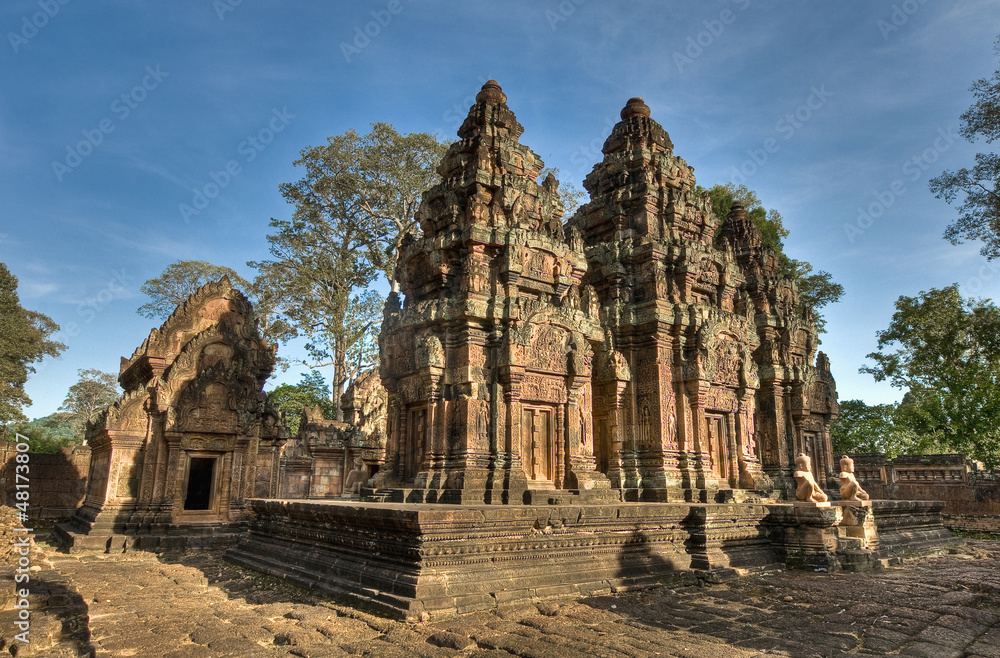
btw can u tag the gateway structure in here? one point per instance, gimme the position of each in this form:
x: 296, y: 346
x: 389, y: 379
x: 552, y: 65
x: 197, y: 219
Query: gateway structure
x: 193, y: 436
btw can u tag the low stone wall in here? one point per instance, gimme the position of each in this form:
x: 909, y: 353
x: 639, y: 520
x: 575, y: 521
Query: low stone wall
x: 421, y: 561
x: 57, y: 483
x: 971, y: 495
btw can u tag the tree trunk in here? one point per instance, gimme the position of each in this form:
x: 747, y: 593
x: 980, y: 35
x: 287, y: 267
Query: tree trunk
x: 339, y: 378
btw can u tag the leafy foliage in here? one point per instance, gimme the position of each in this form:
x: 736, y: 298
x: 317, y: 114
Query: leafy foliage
x: 945, y: 352
x: 353, y: 206
x: 24, y: 340
x: 311, y: 390
x: 46, y: 435
x: 879, y: 428
x: 979, y: 214
x: 373, y: 183
x: 178, y: 281
x: 87, y: 398
x: 816, y: 290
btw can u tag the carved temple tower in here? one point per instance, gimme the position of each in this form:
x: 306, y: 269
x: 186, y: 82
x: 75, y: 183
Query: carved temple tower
x: 687, y: 300
x: 487, y: 363
x: 647, y: 346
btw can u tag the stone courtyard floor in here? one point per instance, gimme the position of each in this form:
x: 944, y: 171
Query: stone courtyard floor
x: 194, y: 605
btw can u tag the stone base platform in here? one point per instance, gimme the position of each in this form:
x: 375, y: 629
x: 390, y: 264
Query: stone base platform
x: 161, y: 537
x: 424, y: 561
x: 910, y: 527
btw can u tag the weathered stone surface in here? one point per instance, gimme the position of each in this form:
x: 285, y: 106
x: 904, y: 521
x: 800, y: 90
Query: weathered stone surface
x: 419, y: 561
x: 194, y: 605
x: 58, y: 481
x: 630, y: 349
x: 191, y: 438
x: 316, y: 462
x: 971, y: 493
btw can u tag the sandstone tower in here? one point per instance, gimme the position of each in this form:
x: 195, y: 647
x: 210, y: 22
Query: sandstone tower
x: 646, y: 346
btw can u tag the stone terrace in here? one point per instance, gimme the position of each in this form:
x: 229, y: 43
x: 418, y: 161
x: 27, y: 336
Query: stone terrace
x: 196, y: 604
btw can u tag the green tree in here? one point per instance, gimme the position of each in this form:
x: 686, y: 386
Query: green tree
x: 315, y: 277
x: 24, y: 341
x: 879, y: 428
x: 979, y: 214
x: 88, y: 397
x: 311, y: 390
x: 45, y: 435
x: 354, y: 204
x: 373, y: 182
x: 816, y: 290
x: 178, y: 281
x: 945, y: 352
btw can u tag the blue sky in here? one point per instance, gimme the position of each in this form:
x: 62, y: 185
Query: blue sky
x: 114, y: 113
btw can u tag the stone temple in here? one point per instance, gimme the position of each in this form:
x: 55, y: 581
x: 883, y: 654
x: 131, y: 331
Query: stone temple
x: 626, y: 397
x: 647, y: 347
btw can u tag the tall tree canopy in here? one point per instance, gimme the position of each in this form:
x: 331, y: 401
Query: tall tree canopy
x: 945, y: 352
x: 372, y: 182
x: 979, y: 214
x: 178, y: 281
x: 88, y: 397
x: 353, y: 205
x: 815, y: 290
x: 24, y: 341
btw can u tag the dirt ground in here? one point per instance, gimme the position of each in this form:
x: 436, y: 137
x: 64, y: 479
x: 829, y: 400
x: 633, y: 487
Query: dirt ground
x: 193, y: 605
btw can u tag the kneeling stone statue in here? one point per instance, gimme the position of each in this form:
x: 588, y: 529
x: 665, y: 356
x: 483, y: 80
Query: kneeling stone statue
x: 356, y: 478
x: 850, y: 489
x: 807, y: 490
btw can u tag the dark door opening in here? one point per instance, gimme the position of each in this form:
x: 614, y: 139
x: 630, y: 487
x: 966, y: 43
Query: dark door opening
x: 199, y: 488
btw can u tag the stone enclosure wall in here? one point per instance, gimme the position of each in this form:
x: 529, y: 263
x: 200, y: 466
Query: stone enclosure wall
x: 57, y: 483
x: 971, y: 493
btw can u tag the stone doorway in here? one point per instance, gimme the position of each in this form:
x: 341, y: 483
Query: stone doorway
x: 538, y: 444
x: 718, y: 445
x: 199, y: 492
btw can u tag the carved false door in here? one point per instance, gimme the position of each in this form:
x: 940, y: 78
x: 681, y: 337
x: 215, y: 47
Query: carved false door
x: 602, y: 444
x: 413, y: 447
x: 718, y: 441
x: 538, y: 444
